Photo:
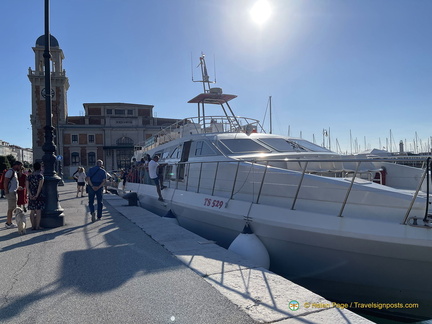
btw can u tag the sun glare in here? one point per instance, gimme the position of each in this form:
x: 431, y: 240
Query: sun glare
x: 260, y: 12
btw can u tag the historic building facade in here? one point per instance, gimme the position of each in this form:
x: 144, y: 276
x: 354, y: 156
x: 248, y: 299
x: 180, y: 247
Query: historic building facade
x: 20, y: 153
x: 107, y: 131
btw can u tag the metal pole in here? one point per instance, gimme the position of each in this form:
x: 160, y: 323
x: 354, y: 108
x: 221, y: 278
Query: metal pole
x: 349, y: 190
x: 262, y: 182
x: 425, y: 219
x: 299, y: 185
x: 215, y: 178
x: 199, y: 178
x: 52, y: 215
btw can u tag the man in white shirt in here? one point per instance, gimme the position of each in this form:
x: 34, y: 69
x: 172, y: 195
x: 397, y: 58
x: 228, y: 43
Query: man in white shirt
x: 153, y: 168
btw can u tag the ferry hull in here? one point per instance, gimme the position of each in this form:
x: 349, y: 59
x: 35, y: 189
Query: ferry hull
x: 351, y: 261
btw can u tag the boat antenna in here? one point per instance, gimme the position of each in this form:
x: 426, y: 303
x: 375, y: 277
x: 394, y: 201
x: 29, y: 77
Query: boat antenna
x: 205, y: 77
x: 214, y: 67
x: 192, y: 68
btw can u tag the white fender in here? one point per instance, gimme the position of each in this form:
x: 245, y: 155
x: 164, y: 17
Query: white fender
x: 249, y: 246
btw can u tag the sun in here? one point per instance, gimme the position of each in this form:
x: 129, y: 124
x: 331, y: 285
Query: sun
x: 260, y: 12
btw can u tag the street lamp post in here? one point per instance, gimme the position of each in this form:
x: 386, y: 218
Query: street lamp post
x: 52, y: 215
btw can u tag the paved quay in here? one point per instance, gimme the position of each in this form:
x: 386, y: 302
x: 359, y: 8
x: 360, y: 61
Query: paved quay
x: 136, y: 267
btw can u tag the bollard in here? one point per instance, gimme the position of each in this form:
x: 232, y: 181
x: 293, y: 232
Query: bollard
x: 132, y: 198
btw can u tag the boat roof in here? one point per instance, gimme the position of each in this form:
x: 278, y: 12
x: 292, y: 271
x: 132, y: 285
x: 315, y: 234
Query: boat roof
x: 212, y: 98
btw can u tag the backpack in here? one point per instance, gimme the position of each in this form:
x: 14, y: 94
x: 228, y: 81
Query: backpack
x: 2, y: 176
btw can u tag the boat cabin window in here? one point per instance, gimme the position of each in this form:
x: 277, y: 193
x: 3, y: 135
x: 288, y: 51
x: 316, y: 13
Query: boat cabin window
x: 176, y: 153
x: 202, y: 148
x: 245, y: 145
x: 282, y: 145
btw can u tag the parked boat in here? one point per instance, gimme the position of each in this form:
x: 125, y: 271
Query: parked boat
x: 356, y: 230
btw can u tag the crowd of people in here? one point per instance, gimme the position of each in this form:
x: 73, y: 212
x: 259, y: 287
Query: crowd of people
x: 148, y: 171
x: 24, y: 188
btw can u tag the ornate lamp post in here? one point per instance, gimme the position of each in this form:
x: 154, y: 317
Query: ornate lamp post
x: 52, y: 215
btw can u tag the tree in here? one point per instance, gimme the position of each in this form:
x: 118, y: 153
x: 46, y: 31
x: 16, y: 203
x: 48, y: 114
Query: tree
x: 11, y: 159
x: 4, y: 163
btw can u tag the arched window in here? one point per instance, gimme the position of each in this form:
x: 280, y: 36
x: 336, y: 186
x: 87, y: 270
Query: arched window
x: 75, y: 158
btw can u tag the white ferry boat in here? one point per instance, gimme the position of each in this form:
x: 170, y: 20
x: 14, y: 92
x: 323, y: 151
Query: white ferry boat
x: 354, y: 230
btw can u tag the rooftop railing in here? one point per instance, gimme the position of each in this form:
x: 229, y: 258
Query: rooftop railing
x: 200, y: 125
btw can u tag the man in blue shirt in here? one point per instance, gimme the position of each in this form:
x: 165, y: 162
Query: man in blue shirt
x: 96, y: 178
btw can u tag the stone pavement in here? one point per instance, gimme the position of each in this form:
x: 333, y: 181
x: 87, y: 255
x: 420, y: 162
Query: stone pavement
x: 136, y: 267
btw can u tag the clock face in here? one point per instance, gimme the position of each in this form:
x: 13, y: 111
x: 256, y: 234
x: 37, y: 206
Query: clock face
x: 44, y: 94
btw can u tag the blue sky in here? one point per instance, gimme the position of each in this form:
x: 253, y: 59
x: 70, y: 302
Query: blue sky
x: 360, y: 66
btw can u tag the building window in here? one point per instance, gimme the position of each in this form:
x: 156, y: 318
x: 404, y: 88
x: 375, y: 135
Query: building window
x: 75, y: 158
x: 92, y: 158
x: 91, y: 138
x: 119, y: 112
x: 130, y: 112
x: 124, y: 152
x: 74, y: 139
x: 109, y: 111
x: 125, y: 141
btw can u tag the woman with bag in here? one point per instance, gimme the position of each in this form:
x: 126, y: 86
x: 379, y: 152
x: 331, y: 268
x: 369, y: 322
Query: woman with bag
x: 36, y: 203
x: 22, y: 193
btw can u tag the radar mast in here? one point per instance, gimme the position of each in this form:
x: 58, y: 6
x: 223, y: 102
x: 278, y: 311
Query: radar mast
x: 213, y: 96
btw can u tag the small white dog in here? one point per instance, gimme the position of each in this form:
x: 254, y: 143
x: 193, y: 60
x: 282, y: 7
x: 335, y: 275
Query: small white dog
x: 20, y: 219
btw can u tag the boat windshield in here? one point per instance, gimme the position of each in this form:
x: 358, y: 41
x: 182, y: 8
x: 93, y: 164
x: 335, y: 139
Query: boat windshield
x: 238, y: 146
x: 310, y: 146
x: 282, y: 145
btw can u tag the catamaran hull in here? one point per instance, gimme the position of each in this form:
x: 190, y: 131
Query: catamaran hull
x: 352, y: 261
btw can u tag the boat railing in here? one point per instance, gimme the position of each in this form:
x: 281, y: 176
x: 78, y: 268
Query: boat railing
x: 201, y: 125
x: 180, y: 175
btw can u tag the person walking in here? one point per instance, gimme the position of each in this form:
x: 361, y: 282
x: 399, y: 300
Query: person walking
x: 153, y: 173
x: 96, y: 179
x: 2, y: 183
x: 36, y: 203
x: 10, y: 187
x: 80, y: 178
x: 22, y: 193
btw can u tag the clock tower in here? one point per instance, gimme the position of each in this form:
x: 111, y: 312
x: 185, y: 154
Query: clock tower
x: 59, y: 87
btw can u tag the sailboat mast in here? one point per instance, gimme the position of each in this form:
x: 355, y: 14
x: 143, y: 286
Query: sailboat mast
x: 271, y: 119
